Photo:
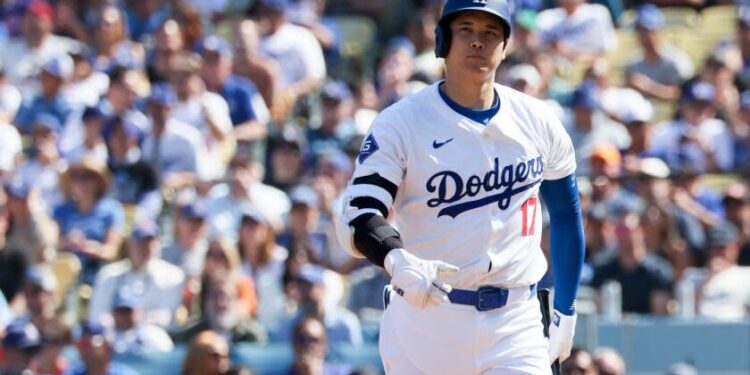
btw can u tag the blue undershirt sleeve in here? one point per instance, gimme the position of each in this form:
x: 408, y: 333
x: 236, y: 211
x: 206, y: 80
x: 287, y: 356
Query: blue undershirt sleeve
x: 567, y: 241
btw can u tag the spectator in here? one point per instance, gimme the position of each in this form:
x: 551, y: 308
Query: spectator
x: 155, y: 282
x: 287, y: 164
x: 126, y: 87
x: 661, y: 69
x: 222, y: 312
x: 696, y: 138
x: 10, y: 140
x: 208, y: 354
x: 580, y: 362
x: 524, y: 39
x: 110, y: 39
x: 742, y: 40
x: 131, y: 333
x: 577, y: 30
x: 251, y: 64
x: 304, y: 234
x: 135, y: 180
x: 31, y: 230
x: 608, y: 361
x: 56, y: 335
x: 206, y: 111
x: 190, y: 244
x: 95, y: 350
x: 24, y: 55
x: 720, y: 298
x: 247, y: 108
x: 41, y: 293
x: 91, y: 224
x: 56, y: 72
x: 168, y: 42
x: 310, y: 345
x: 223, y: 257
x: 245, y: 188
x: 13, y: 262
x: 144, y: 17
x: 93, y: 145
x: 526, y: 79
x: 174, y: 149
x: 297, y: 51
x: 42, y: 169
x: 740, y: 122
x: 736, y: 204
x: 341, y: 325
x: 420, y: 30
x: 87, y: 85
x: 337, y: 125
x: 21, y: 343
x: 11, y: 97
x: 263, y: 260
x: 395, y: 72
x: 646, y: 279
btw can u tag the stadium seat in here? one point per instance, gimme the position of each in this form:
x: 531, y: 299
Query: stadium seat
x: 364, y: 356
x: 263, y: 359
x: 155, y: 363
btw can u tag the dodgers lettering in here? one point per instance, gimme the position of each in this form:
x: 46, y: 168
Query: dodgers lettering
x: 450, y: 186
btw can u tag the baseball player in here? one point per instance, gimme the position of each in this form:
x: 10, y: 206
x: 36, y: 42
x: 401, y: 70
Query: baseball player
x: 464, y: 163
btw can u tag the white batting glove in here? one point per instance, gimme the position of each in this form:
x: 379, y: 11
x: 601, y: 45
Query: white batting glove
x: 416, y: 279
x: 561, y: 330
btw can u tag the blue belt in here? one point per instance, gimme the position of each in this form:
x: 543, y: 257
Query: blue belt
x: 485, y: 298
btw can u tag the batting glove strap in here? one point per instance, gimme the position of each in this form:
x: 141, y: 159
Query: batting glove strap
x: 416, y: 279
x: 561, y: 330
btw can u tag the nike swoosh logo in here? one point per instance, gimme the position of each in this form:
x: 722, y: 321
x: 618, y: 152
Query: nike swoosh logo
x: 436, y: 144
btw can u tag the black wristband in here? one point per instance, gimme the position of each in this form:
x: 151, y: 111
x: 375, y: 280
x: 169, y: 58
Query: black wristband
x: 374, y: 237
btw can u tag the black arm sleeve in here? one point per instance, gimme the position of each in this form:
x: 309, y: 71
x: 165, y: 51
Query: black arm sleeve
x: 374, y: 237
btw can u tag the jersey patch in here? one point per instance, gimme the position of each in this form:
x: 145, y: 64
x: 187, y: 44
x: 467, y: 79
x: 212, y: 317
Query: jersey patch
x: 369, y: 147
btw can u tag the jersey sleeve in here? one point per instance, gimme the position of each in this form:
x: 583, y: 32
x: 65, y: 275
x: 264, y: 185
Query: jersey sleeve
x: 560, y: 158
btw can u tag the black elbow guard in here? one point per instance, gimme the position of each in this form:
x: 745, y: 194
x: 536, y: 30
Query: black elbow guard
x: 374, y: 237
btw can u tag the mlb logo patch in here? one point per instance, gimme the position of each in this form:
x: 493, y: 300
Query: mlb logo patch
x: 369, y: 147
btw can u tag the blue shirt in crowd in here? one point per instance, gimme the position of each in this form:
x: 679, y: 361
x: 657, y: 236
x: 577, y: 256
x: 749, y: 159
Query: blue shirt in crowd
x: 239, y: 93
x: 59, y: 107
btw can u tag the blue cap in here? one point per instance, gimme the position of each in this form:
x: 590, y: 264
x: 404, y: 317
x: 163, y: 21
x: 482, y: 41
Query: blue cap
x: 95, y: 329
x: 401, y: 43
x: 18, y: 187
x: 215, y: 44
x: 21, y: 334
x: 60, y: 66
x: 92, y: 113
x: 145, y: 229
x: 304, y: 195
x: 126, y: 299
x: 195, y: 210
x: 279, y: 5
x: 336, y: 91
x: 722, y: 235
x: 649, y: 17
x: 699, y: 91
x: 43, y: 277
x: 338, y: 159
x: 312, y: 274
x: 47, y: 121
x: 162, y: 94
x: 586, y: 96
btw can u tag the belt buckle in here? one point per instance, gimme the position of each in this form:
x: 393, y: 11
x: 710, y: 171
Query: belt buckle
x: 490, y: 298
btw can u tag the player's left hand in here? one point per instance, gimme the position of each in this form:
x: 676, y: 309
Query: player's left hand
x: 561, y: 330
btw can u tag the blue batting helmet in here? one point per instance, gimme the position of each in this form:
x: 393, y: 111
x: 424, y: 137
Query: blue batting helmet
x: 451, y: 8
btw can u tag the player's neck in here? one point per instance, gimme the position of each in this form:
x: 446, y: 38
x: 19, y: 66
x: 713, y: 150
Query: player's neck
x: 470, y: 95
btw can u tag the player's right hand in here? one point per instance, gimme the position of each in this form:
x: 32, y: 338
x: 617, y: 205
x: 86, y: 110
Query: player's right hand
x: 416, y: 279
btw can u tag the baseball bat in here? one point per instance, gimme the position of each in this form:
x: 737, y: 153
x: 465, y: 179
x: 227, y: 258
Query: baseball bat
x: 543, y: 296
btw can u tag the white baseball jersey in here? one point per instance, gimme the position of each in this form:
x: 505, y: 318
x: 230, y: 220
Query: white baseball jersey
x: 468, y: 192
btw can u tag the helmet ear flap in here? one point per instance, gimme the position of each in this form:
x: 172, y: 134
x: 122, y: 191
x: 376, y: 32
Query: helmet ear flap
x: 442, y: 40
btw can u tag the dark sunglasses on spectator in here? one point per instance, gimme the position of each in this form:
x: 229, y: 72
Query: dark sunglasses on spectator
x: 304, y: 340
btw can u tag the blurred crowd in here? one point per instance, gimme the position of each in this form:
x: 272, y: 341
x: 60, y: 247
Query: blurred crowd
x: 171, y: 170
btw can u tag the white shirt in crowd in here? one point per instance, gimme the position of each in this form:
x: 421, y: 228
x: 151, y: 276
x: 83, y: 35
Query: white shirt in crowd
x: 179, y: 149
x: 10, y: 148
x: 23, y: 64
x: 588, y: 30
x: 298, y: 53
x: 725, y: 296
x: 224, y: 211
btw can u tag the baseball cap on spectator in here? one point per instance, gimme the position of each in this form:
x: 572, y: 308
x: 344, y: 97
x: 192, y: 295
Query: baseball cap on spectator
x: 525, y: 72
x: 91, y: 113
x: 649, y: 17
x: 722, y: 235
x: 40, y: 8
x: 145, y: 229
x: 97, y: 334
x: 18, y: 188
x: 162, y: 94
x: 22, y: 334
x: 607, y: 153
x: 312, y: 274
x: 126, y: 299
x: 194, y: 211
x: 251, y: 213
x: 87, y: 165
x: 526, y: 18
x: 337, y: 159
x: 276, y: 5
x: 654, y: 168
x: 336, y: 91
x: 60, y: 66
x: 214, y: 44
x: 401, y: 43
x: 43, y: 277
x: 47, y: 121
x: 699, y: 91
x: 586, y: 96
x: 304, y: 196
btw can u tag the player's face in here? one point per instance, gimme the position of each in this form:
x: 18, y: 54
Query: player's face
x: 477, y: 44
